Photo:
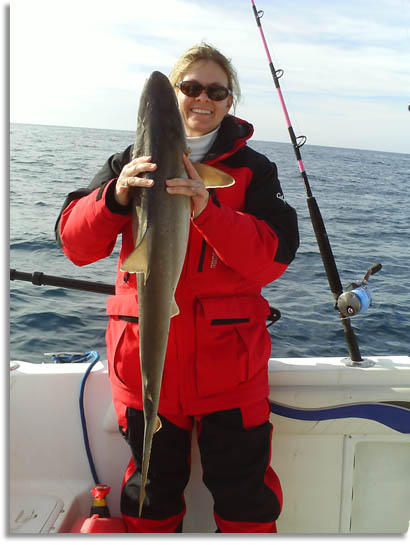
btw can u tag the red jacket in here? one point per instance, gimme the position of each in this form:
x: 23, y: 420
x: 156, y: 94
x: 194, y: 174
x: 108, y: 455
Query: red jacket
x: 218, y: 345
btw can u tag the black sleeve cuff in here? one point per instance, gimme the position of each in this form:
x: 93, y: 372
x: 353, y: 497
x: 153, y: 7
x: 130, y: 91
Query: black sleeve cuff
x: 114, y: 206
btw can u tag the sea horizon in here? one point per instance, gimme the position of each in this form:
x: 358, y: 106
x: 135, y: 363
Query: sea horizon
x: 250, y: 140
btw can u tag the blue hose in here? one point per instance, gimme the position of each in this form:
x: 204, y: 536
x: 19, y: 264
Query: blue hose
x: 80, y: 358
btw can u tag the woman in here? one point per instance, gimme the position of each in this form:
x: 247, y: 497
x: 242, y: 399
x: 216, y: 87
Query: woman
x: 215, y: 373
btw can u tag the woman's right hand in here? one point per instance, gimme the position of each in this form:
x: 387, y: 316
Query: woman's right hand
x: 129, y: 178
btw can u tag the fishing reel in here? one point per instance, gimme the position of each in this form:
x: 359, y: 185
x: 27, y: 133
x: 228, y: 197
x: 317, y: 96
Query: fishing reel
x: 357, y: 297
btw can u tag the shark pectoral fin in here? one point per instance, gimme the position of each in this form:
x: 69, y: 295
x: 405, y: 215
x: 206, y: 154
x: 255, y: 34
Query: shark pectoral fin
x: 174, y: 308
x: 213, y: 177
x: 158, y: 424
x: 137, y: 261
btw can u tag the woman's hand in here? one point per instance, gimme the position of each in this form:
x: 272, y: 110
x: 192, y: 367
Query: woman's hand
x: 192, y: 187
x: 129, y: 178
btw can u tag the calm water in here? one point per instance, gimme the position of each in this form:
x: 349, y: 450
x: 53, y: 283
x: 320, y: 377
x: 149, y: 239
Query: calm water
x: 363, y: 197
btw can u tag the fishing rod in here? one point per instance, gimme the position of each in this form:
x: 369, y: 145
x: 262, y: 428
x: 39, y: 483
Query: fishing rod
x: 41, y: 279
x: 318, y: 225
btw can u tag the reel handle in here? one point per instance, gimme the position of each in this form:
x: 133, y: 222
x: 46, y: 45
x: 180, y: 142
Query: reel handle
x: 372, y: 270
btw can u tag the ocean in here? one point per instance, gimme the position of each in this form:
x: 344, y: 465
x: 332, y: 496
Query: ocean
x: 365, y: 204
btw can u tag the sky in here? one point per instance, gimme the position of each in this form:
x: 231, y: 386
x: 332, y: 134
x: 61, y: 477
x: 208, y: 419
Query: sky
x: 346, y: 63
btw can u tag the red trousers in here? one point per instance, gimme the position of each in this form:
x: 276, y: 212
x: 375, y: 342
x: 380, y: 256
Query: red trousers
x: 235, y: 448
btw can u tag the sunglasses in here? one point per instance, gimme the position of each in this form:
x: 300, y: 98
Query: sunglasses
x: 193, y: 89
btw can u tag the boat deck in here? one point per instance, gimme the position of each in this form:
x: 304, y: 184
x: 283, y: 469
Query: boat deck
x: 335, y: 428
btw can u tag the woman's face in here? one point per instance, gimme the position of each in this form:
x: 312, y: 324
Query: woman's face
x: 202, y: 115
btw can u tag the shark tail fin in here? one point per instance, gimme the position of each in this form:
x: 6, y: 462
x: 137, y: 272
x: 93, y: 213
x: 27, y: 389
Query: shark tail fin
x: 145, y: 464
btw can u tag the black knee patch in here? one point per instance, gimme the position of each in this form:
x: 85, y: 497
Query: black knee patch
x: 235, y: 460
x: 168, y: 473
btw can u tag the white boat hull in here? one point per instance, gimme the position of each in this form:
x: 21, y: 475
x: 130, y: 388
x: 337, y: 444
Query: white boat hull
x: 342, y: 453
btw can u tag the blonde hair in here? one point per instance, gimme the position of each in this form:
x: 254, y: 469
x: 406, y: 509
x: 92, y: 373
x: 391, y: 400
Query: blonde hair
x: 206, y: 52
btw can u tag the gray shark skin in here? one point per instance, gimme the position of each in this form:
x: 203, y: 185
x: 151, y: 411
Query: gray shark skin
x: 160, y: 226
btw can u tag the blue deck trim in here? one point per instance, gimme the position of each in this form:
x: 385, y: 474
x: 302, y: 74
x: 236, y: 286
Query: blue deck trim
x: 394, y: 417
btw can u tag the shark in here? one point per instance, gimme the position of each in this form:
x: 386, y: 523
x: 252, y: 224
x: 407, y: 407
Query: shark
x: 160, y: 224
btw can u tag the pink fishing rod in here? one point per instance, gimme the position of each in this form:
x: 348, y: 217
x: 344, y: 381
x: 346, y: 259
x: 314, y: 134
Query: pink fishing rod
x: 276, y: 74
x: 314, y: 212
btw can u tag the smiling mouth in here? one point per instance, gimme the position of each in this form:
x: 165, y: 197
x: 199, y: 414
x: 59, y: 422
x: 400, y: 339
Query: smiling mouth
x: 200, y: 111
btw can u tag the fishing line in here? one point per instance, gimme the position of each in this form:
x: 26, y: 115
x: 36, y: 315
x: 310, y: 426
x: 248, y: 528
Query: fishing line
x: 314, y: 212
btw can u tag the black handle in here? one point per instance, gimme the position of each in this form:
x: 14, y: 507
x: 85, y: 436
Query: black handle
x: 375, y: 268
x: 41, y: 279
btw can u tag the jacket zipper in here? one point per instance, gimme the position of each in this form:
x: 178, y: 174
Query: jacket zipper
x: 202, y: 256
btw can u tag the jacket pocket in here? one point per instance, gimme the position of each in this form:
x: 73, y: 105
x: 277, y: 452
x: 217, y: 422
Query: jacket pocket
x: 124, y: 304
x: 232, y: 342
x: 122, y: 340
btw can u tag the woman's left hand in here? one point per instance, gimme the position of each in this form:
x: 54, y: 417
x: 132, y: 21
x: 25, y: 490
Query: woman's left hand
x: 192, y: 187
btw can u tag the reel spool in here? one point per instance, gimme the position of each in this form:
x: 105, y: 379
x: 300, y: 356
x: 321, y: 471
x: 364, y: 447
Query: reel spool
x: 357, y: 297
